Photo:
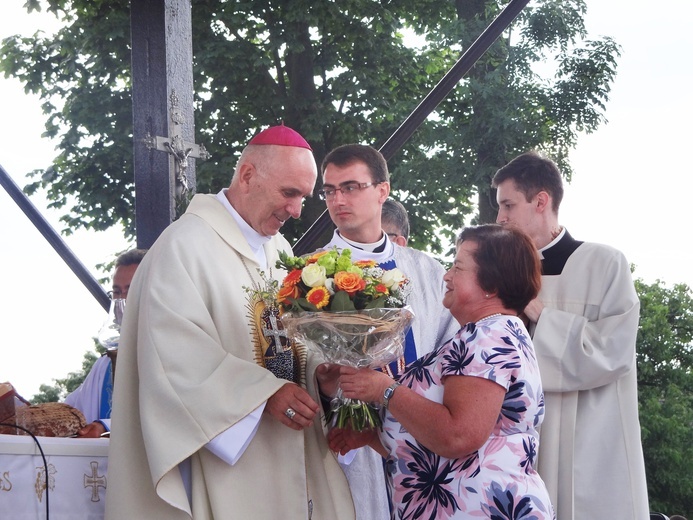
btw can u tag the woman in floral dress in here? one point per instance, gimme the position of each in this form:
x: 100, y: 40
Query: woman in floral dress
x: 460, y: 426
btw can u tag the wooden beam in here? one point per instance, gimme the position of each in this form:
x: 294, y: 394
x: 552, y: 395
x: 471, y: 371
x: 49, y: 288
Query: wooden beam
x: 54, y: 239
x: 308, y: 242
x: 162, y: 93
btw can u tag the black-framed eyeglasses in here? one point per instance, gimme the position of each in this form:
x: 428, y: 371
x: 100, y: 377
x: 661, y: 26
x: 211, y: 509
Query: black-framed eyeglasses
x: 347, y: 189
x: 117, y: 295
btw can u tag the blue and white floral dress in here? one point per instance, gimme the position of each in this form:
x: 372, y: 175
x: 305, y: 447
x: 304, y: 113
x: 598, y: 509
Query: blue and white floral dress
x: 499, y: 480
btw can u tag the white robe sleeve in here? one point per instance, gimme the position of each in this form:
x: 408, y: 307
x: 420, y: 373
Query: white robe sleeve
x: 230, y: 444
x: 87, y: 396
x: 585, y: 336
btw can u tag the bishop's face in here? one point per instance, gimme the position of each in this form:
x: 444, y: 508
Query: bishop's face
x: 275, y: 191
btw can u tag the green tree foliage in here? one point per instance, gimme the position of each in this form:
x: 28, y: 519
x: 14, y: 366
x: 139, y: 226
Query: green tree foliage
x: 349, y: 71
x: 62, y: 387
x: 338, y: 72
x: 665, y: 384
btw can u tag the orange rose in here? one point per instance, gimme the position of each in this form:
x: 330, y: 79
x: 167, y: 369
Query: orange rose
x: 292, y: 278
x: 381, y: 288
x: 351, y: 283
x: 286, y: 292
x: 318, y: 296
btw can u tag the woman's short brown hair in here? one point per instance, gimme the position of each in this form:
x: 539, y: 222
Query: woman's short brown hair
x: 507, y: 263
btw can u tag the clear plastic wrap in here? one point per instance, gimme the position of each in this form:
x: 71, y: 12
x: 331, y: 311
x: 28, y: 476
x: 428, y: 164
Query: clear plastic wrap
x: 368, y: 338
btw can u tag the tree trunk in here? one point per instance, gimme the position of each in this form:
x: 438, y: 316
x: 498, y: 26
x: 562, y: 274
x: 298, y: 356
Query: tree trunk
x: 490, y: 155
x: 487, y: 205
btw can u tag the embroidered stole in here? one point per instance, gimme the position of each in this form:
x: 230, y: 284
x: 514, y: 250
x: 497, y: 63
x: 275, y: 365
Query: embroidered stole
x: 106, y: 401
x: 272, y: 347
x: 395, y: 369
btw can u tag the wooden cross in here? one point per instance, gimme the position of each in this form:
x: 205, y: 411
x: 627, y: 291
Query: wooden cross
x: 162, y: 105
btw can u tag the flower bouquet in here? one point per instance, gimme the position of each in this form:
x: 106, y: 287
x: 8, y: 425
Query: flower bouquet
x: 352, y: 313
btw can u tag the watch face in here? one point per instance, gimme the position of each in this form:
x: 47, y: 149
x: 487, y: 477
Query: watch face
x: 389, y: 391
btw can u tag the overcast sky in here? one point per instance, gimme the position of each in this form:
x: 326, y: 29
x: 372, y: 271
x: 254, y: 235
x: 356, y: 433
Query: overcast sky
x: 632, y: 185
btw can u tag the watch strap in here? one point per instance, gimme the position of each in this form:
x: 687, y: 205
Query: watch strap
x: 387, y: 395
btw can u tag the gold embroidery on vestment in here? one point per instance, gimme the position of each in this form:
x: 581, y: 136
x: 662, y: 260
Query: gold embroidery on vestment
x: 5, y: 482
x: 95, y: 481
x: 268, y: 336
x: 40, y: 484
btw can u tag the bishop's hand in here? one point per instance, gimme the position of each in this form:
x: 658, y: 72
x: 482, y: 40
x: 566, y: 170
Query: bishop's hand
x: 292, y: 406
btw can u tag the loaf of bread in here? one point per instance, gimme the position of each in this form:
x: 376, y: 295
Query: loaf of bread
x: 46, y: 420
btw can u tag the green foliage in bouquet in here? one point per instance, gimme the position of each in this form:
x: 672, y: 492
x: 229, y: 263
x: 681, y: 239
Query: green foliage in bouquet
x: 353, y: 414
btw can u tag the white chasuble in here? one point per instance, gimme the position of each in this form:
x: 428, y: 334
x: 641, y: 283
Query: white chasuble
x: 187, y: 371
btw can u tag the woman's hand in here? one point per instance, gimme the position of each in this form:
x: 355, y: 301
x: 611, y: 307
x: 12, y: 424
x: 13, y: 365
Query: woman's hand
x: 343, y: 440
x: 328, y: 378
x: 364, y: 384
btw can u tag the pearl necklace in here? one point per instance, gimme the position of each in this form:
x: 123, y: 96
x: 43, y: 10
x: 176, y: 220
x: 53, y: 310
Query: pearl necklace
x: 488, y: 317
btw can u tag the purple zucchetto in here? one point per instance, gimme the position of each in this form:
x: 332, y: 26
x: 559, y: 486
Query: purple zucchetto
x: 281, y: 136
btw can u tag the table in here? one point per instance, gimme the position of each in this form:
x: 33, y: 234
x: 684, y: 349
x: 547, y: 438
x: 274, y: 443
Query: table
x: 76, y: 472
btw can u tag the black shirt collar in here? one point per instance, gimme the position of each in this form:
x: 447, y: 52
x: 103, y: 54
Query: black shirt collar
x: 556, y: 256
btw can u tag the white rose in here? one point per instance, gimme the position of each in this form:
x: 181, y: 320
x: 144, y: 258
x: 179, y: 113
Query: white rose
x: 314, y: 275
x: 393, y: 277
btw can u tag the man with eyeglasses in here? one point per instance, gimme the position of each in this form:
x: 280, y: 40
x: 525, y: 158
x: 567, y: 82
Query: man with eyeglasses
x: 93, y: 396
x: 356, y: 184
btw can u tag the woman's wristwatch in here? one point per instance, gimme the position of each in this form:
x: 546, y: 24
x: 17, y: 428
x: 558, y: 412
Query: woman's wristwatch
x: 387, y: 395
